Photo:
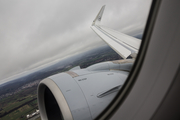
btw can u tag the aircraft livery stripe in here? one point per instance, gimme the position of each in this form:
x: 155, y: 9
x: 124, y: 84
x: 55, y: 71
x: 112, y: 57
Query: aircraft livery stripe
x: 72, y: 74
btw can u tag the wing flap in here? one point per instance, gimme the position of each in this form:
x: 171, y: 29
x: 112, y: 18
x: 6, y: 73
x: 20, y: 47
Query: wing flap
x: 121, y: 50
x: 131, y: 42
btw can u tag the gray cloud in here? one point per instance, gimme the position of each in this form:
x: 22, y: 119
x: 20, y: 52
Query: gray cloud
x: 36, y: 32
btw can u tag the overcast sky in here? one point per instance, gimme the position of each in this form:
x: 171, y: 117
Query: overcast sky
x: 37, y: 32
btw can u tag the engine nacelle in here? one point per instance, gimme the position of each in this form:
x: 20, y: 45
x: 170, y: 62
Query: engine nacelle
x: 81, y: 94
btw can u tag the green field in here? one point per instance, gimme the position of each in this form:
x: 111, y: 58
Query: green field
x: 16, y: 107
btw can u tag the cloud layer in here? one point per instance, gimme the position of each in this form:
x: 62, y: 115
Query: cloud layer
x: 36, y: 32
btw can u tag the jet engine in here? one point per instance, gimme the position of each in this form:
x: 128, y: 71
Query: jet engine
x: 81, y: 94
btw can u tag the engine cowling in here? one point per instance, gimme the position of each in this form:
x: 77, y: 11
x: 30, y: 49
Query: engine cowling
x: 81, y: 94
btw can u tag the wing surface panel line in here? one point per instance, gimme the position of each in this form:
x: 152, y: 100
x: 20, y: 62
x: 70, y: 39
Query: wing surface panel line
x: 117, y: 38
x: 119, y: 42
x: 123, y: 52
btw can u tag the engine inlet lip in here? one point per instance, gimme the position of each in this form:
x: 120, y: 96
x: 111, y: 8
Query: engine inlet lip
x: 58, y: 96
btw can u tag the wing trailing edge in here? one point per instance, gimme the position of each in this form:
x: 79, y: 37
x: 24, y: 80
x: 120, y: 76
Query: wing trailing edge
x: 123, y: 44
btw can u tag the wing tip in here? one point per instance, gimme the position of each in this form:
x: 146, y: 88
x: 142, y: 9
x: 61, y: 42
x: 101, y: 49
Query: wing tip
x: 99, y: 16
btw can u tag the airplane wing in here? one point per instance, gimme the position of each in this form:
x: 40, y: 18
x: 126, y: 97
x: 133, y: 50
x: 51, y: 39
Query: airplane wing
x: 123, y: 44
x: 82, y: 94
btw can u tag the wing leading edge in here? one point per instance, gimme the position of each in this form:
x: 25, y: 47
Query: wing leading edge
x: 123, y: 44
